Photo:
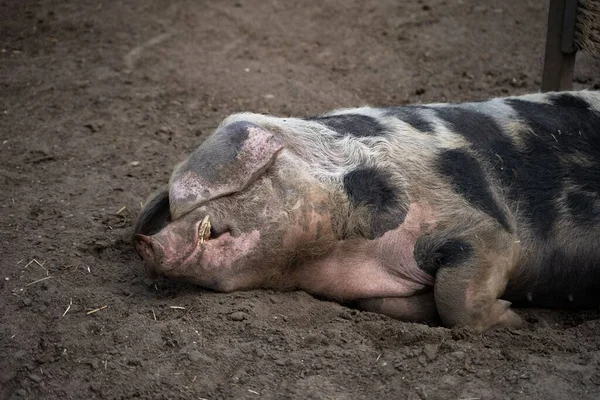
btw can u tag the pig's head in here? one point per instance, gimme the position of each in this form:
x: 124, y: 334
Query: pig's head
x: 265, y: 213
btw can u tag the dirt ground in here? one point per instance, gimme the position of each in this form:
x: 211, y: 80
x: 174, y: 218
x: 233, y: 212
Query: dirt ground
x: 99, y: 100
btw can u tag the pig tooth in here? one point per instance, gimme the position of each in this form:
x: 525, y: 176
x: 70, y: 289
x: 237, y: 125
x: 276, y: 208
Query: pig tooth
x: 204, y: 230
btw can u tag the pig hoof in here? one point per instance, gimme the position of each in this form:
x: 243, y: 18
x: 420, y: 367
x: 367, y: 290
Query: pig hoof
x: 500, y: 316
x: 510, y: 319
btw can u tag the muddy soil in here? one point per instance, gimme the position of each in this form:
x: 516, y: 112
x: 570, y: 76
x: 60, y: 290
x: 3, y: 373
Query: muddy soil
x: 98, y: 101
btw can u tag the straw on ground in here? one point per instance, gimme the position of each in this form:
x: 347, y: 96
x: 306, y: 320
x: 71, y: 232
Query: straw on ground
x: 96, y: 310
x: 68, y: 307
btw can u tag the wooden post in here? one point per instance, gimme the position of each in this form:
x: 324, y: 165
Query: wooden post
x: 559, y: 60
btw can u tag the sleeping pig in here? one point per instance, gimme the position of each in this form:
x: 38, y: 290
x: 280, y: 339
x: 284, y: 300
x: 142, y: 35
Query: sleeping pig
x: 449, y: 211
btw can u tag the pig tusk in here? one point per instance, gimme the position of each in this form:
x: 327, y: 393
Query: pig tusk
x: 204, y: 230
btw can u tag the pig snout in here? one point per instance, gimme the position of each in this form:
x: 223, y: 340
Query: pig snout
x: 176, y: 245
x: 151, y: 252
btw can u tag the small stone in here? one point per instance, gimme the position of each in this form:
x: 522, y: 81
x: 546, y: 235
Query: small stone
x: 194, y: 356
x: 237, y: 316
x: 461, y: 334
x: 311, y: 339
x: 134, y: 362
x: 21, y: 392
x: 449, y: 380
x: 430, y: 351
x: 459, y: 355
x: 279, y: 361
x: 149, y: 282
x: 34, y: 377
x: 92, y: 127
x: 413, y: 396
x: 27, y: 301
x: 483, y: 373
x: 197, y: 357
x: 511, y: 355
x: 134, y: 163
x: 7, y: 375
x: 96, y: 388
x: 345, y: 315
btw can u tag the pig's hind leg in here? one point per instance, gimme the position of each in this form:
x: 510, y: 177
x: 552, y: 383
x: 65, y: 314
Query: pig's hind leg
x: 467, y: 291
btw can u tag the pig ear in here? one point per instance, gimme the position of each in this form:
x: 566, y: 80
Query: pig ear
x: 227, y: 162
x: 155, y: 215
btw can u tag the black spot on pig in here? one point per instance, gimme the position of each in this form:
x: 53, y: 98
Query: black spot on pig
x: 413, y: 117
x: 469, y: 180
x: 535, y: 180
x: 211, y: 160
x: 587, y: 177
x: 352, y: 124
x: 569, y: 129
x: 477, y: 128
x: 431, y: 255
x: 373, y: 188
x: 154, y: 216
x: 506, y: 162
x: 533, y: 173
x: 583, y: 207
x: 568, y: 100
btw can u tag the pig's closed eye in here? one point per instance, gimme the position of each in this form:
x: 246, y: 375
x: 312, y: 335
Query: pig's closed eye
x: 211, y: 226
x: 217, y: 229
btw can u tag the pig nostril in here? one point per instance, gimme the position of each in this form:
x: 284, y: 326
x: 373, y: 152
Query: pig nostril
x: 144, y: 248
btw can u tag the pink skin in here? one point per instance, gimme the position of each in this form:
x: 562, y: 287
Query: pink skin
x: 210, y: 264
x: 359, y: 268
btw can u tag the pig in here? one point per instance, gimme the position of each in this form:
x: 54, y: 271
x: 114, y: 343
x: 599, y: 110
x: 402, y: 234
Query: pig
x: 431, y: 211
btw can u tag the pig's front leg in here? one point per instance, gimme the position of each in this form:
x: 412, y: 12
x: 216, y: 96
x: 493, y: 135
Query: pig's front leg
x: 467, y: 291
x: 418, y: 308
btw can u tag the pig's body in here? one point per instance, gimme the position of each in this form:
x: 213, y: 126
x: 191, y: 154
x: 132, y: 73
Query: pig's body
x: 411, y: 211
